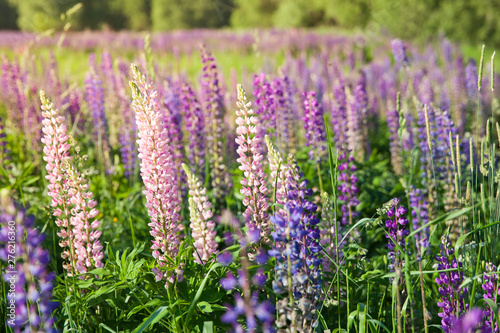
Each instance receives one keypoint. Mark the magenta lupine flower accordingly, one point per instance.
(314, 127)
(250, 160)
(30, 308)
(71, 200)
(202, 226)
(470, 322)
(158, 175)
(214, 118)
(195, 126)
(264, 96)
(399, 52)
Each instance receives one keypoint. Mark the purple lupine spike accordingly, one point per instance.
(470, 322)
(444, 126)
(348, 189)
(94, 95)
(339, 115)
(263, 93)
(425, 91)
(250, 159)
(214, 117)
(195, 126)
(170, 95)
(397, 230)
(399, 52)
(491, 291)
(291, 114)
(109, 74)
(30, 275)
(314, 126)
(452, 295)
(282, 113)
(297, 238)
(471, 80)
(394, 143)
(158, 174)
(361, 100)
(354, 133)
(420, 217)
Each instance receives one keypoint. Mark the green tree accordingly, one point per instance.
(255, 13)
(182, 14)
(8, 16)
(137, 13)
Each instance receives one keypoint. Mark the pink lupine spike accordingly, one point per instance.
(250, 159)
(71, 199)
(201, 213)
(158, 174)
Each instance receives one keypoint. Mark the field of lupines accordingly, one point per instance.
(348, 184)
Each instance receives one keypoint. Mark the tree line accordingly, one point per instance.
(462, 20)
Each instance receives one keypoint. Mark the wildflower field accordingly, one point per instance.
(269, 181)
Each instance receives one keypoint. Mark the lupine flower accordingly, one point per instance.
(31, 308)
(214, 116)
(420, 217)
(394, 143)
(195, 126)
(396, 231)
(72, 202)
(158, 174)
(470, 322)
(491, 291)
(399, 52)
(202, 225)
(452, 302)
(296, 239)
(348, 189)
(250, 160)
(314, 127)
(471, 80)
(283, 113)
(95, 100)
(355, 139)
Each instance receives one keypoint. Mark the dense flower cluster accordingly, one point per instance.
(30, 309)
(195, 126)
(452, 295)
(214, 117)
(250, 159)
(314, 126)
(158, 175)
(491, 291)
(72, 202)
(297, 251)
(420, 218)
(396, 231)
(202, 226)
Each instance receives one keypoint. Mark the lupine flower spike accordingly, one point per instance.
(202, 225)
(158, 174)
(250, 160)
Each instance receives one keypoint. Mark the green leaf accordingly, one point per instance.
(208, 327)
(152, 319)
(205, 307)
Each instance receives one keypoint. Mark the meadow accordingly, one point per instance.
(264, 181)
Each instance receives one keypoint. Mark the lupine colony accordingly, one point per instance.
(344, 192)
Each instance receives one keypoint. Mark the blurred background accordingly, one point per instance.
(468, 21)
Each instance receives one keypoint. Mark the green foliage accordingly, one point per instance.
(8, 15)
(257, 13)
(179, 14)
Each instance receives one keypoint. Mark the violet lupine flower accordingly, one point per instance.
(491, 291)
(339, 116)
(297, 240)
(361, 103)
(264, 107)
(394, 143)
(354, 133)
(202, 226)
(452, 296)
(425, 91)
(348, 189)
(314, 126)
(72, 201)
(158, 175)
(214, 117)
(399, 52)
(470, 322)
(258, 316)
(195, 126)
(420, 217)
(250, 159)
(30, 308)
(471, 80)
(397, 231)
(95, 100)
(283, 113)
